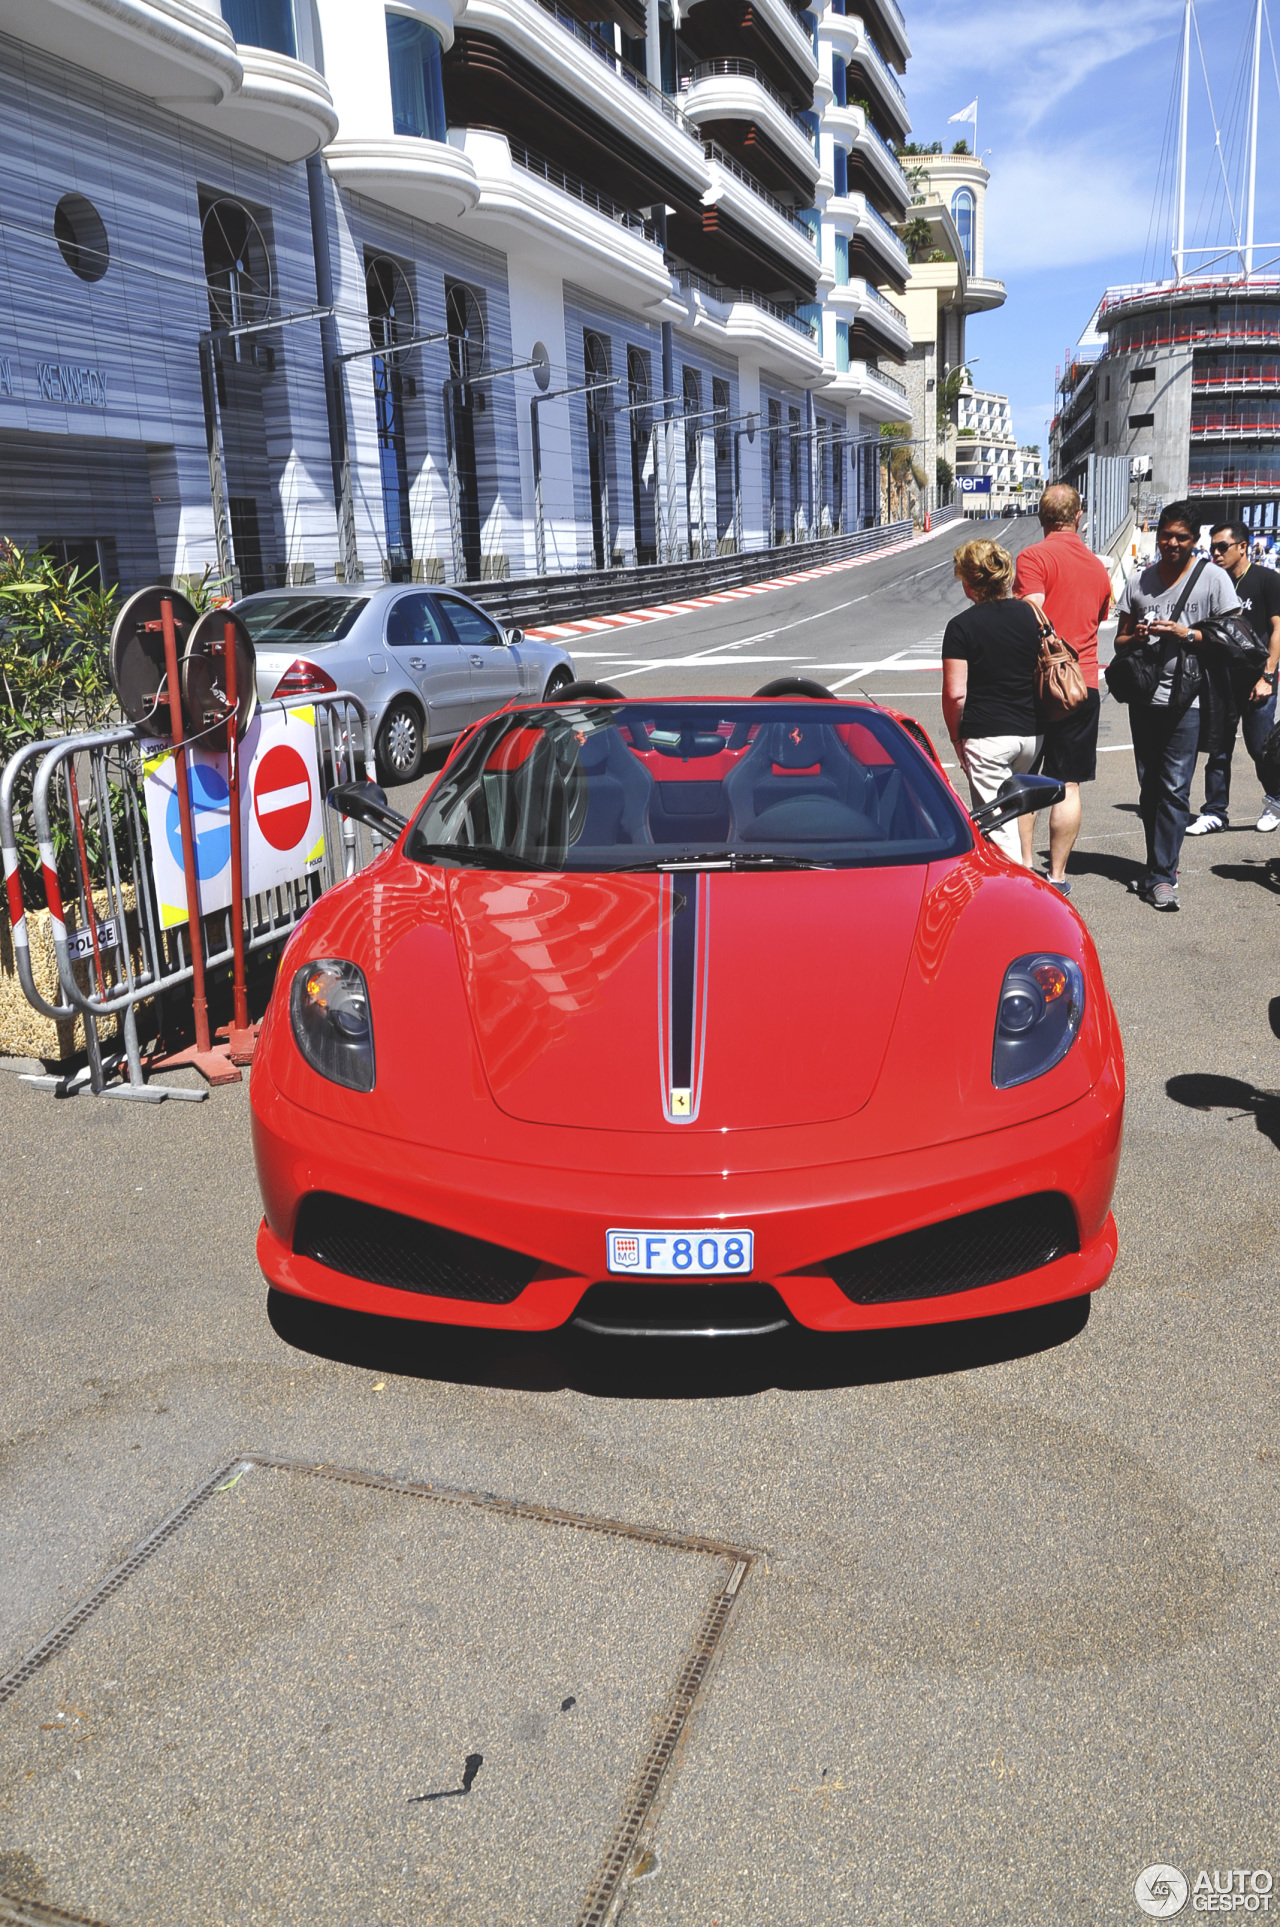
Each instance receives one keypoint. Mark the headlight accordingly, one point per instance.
(329, 1010)
(1041, 1006)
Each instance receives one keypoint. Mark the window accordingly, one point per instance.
(962, 212)
(1142, 421)
(809, 21)
(842, 347)
(811, 121)
(1106, 388)
(413, 624)
(471, 626)
(840, 169)
(391, 320)
(842, 260)
(81, 237)
(262, 23)
(1143, 374)
(839, 86)
(417, 88)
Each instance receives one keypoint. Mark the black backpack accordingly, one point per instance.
(1135, 672)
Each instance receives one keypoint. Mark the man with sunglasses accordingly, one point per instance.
(1253, 700)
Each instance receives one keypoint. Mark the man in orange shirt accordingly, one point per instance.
(1065, 579)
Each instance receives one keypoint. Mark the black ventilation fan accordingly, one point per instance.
(136, 661)
(204, 675)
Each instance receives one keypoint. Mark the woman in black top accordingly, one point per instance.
(989, 659)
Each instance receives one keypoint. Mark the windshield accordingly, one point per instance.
(746, 784)
(287, 620)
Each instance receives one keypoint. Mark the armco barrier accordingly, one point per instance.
(529, 601)
(92, 786)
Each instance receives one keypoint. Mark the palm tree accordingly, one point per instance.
(917, 237)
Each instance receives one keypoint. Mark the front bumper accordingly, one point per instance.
(799, 1218)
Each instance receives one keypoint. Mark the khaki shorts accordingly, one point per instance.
(989, 761)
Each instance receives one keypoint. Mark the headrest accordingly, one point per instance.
(799, 745)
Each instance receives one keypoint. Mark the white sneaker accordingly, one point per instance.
(1204, 823)
(1269, 820)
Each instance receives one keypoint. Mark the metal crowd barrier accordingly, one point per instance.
(91, 788)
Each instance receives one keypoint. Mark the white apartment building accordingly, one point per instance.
(441, 289)
(985, 441)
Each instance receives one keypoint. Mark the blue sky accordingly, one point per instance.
(1074, 100)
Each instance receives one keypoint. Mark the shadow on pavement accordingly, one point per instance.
(685, 1368)
(1264, 870)
(1101, 863)
(1203, 1091)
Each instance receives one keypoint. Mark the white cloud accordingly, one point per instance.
(1031, 55)
(1061, 208)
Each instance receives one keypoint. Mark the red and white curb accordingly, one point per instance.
(627, 619)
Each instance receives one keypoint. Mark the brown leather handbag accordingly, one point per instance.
(1060, 683)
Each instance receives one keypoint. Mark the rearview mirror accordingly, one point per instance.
(1017, 796)
(367, 803)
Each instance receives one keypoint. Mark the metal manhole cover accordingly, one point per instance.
(314, 1695)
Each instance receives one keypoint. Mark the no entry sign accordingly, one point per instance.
(281, 813)
(282, 796)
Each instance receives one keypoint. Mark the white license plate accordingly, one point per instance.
(681, 1254)
(80, 942)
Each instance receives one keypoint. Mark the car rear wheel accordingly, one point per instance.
(399, 745)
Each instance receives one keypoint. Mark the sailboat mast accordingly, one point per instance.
(1253, 139)
(1179, 252)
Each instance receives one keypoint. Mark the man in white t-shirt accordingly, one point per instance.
(1166, 728)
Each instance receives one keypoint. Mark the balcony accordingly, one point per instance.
(870, 144)
(859, 302)
(171, 51)
(1259, 475)
(1246, 382)
(746, 323)
(776, 23)
(549, 49)
(528, 204)
(430, 180)
(754, 210)
(283, 107)
(865, 223)
(883, 397)
(733, 90)
(883, 85)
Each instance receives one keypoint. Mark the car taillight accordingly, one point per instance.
(303, 678)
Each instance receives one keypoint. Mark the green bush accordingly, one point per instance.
(55, 631)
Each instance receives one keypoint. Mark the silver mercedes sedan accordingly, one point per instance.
(425, 662)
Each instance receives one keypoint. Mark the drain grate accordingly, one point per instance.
(660, 1594)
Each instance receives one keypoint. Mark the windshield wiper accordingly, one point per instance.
(724, 860)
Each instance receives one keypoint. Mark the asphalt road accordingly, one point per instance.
(1013, 1632)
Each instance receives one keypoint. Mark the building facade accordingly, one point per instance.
(1183, 380)
(947, 284)
(307, 290)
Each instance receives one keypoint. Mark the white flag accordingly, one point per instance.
(966, 113)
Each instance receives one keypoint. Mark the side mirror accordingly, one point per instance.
(1017, 796)
(367, 803)
(514, 636)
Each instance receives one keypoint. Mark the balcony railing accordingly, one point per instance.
(1220, 428)
(887, 150)
(713, 152)
(886, 72)
(1239, 383)
(727, 297)
(623, 68)
(747, 70)
(890, 381)
(885, 228)
(1236, 479)
(880, 301)
(581, 191)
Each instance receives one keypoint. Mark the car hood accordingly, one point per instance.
(708, 1001)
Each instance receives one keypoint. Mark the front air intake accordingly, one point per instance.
(960, 1254)
(384, 1248)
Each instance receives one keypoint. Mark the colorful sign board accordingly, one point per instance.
(281, 813)
(975, 485)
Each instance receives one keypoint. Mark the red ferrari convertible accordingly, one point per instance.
(690, 1016)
